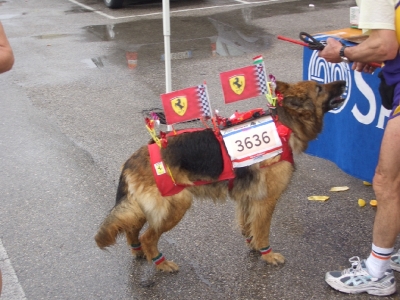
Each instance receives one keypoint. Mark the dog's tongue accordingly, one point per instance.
(338, 99)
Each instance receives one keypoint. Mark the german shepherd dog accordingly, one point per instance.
(197, 156)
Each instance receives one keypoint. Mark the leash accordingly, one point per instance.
(311, 42)
(307, 40)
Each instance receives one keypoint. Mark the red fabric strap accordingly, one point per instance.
(284, 134)
(164, 181)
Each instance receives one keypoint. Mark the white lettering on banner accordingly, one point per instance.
(322, 71)
(366, 90)
(252, 142)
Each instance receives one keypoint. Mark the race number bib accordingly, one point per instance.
(252, 142)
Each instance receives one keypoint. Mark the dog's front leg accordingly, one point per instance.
(149, 241)
(260, 215)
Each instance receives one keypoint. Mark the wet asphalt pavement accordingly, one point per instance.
(71, 112)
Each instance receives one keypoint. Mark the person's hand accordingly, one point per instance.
(363, 67)
(331, 51)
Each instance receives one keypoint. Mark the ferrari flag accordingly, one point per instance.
(244, 83)
(187, 104)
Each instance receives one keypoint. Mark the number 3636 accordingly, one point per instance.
(253, 141)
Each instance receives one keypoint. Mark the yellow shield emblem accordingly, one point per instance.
(237, 84)
(396, 111)
(159, 167)
(179, 105)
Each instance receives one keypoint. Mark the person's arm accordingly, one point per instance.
(380, 45)
(6, 53)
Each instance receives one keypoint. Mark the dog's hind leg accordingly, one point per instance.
(132, 236)
(162, 218)
(242, 216)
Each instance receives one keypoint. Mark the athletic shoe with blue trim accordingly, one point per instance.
(395, 261)
(357, 280)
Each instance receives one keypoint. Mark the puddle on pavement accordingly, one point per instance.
(76, 10)
(141, 43)
(96, 62)
(232, 33)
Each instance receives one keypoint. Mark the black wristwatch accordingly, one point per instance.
(341, 54)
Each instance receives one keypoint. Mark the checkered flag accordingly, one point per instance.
(262, 80)
(203, 100)
(244, 83)
(187, 104)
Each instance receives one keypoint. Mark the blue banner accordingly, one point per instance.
(352, 134)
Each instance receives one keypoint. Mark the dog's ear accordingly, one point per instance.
(292, 102)
(282, 86)
(299, 106)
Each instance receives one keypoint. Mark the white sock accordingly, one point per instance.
(378, 261)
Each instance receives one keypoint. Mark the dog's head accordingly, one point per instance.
(303, 107)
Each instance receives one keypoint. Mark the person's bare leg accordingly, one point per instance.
(386, 185)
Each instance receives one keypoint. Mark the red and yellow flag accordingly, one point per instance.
(244, 83)
(187, 104)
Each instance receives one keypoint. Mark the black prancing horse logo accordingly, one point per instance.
(236, 82)
(178, 104)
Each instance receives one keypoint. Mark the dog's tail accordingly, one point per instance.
(125, 216)
(108, 231)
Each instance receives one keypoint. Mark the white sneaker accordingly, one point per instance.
(357, 280)
(395, 261)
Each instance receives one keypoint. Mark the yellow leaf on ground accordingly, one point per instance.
(361, 202)
(373, 203)
(339, 188)
(367, 183)
(318, 198)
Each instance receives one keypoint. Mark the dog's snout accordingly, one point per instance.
(342, 84)
(338, 86)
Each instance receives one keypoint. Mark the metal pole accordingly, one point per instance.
(167, 45)
(167, 48)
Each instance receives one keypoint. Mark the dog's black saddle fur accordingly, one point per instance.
(199, 153)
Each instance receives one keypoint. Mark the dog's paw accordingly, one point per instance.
(273, 258)
(251, 247)
(167, 266)
(138, 253)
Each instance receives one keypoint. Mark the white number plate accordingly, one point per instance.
(252, 142)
